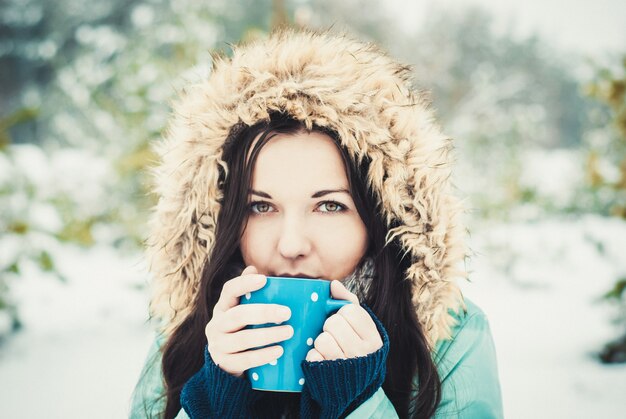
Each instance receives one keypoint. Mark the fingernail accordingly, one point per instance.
(279, 352)
(289, 332)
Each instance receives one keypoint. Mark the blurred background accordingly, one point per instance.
(534, 95)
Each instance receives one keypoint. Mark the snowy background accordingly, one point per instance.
(536, 160)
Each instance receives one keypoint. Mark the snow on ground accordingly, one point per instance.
(538, 283)
(84, 341)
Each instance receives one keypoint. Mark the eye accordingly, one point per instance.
(260, 207)
(331, 206)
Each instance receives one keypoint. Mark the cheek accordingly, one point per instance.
(253, 250)
(343, 247)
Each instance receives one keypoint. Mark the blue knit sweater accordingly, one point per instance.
(332, 388)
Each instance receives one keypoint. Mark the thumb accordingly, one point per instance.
(249, 270)
(340, 292)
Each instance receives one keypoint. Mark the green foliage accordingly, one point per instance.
(617, 292)
(17, 230)
(45, 261)
(18, 117)
(18, 227)
(606, 175)
(606, 161)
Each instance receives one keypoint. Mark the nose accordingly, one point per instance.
(293, 242)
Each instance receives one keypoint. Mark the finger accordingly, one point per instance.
(244, 315)
(249, 270)
(253, 338)
(239, 362)
(236, 287)
(328, 347)
(360, 321)
(340, 292)
(314, 356)
(345, 336)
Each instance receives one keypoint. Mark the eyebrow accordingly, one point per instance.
(317, 194)
(259, 193)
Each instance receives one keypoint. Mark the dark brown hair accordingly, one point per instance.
(389, 296)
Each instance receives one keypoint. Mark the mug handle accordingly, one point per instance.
(334, 305)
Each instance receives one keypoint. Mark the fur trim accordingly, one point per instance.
(331, 81)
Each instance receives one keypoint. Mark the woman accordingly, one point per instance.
(308, 154)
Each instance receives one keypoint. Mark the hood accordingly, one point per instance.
(328, 80)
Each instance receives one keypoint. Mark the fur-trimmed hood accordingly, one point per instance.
(330, 81)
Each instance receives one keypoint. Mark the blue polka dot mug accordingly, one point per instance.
(310, 304)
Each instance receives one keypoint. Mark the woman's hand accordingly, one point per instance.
(229, 342)
(349, 333)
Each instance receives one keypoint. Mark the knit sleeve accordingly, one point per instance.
(214, 393)
(335, 388)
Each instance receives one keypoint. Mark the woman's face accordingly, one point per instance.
(302, 219)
